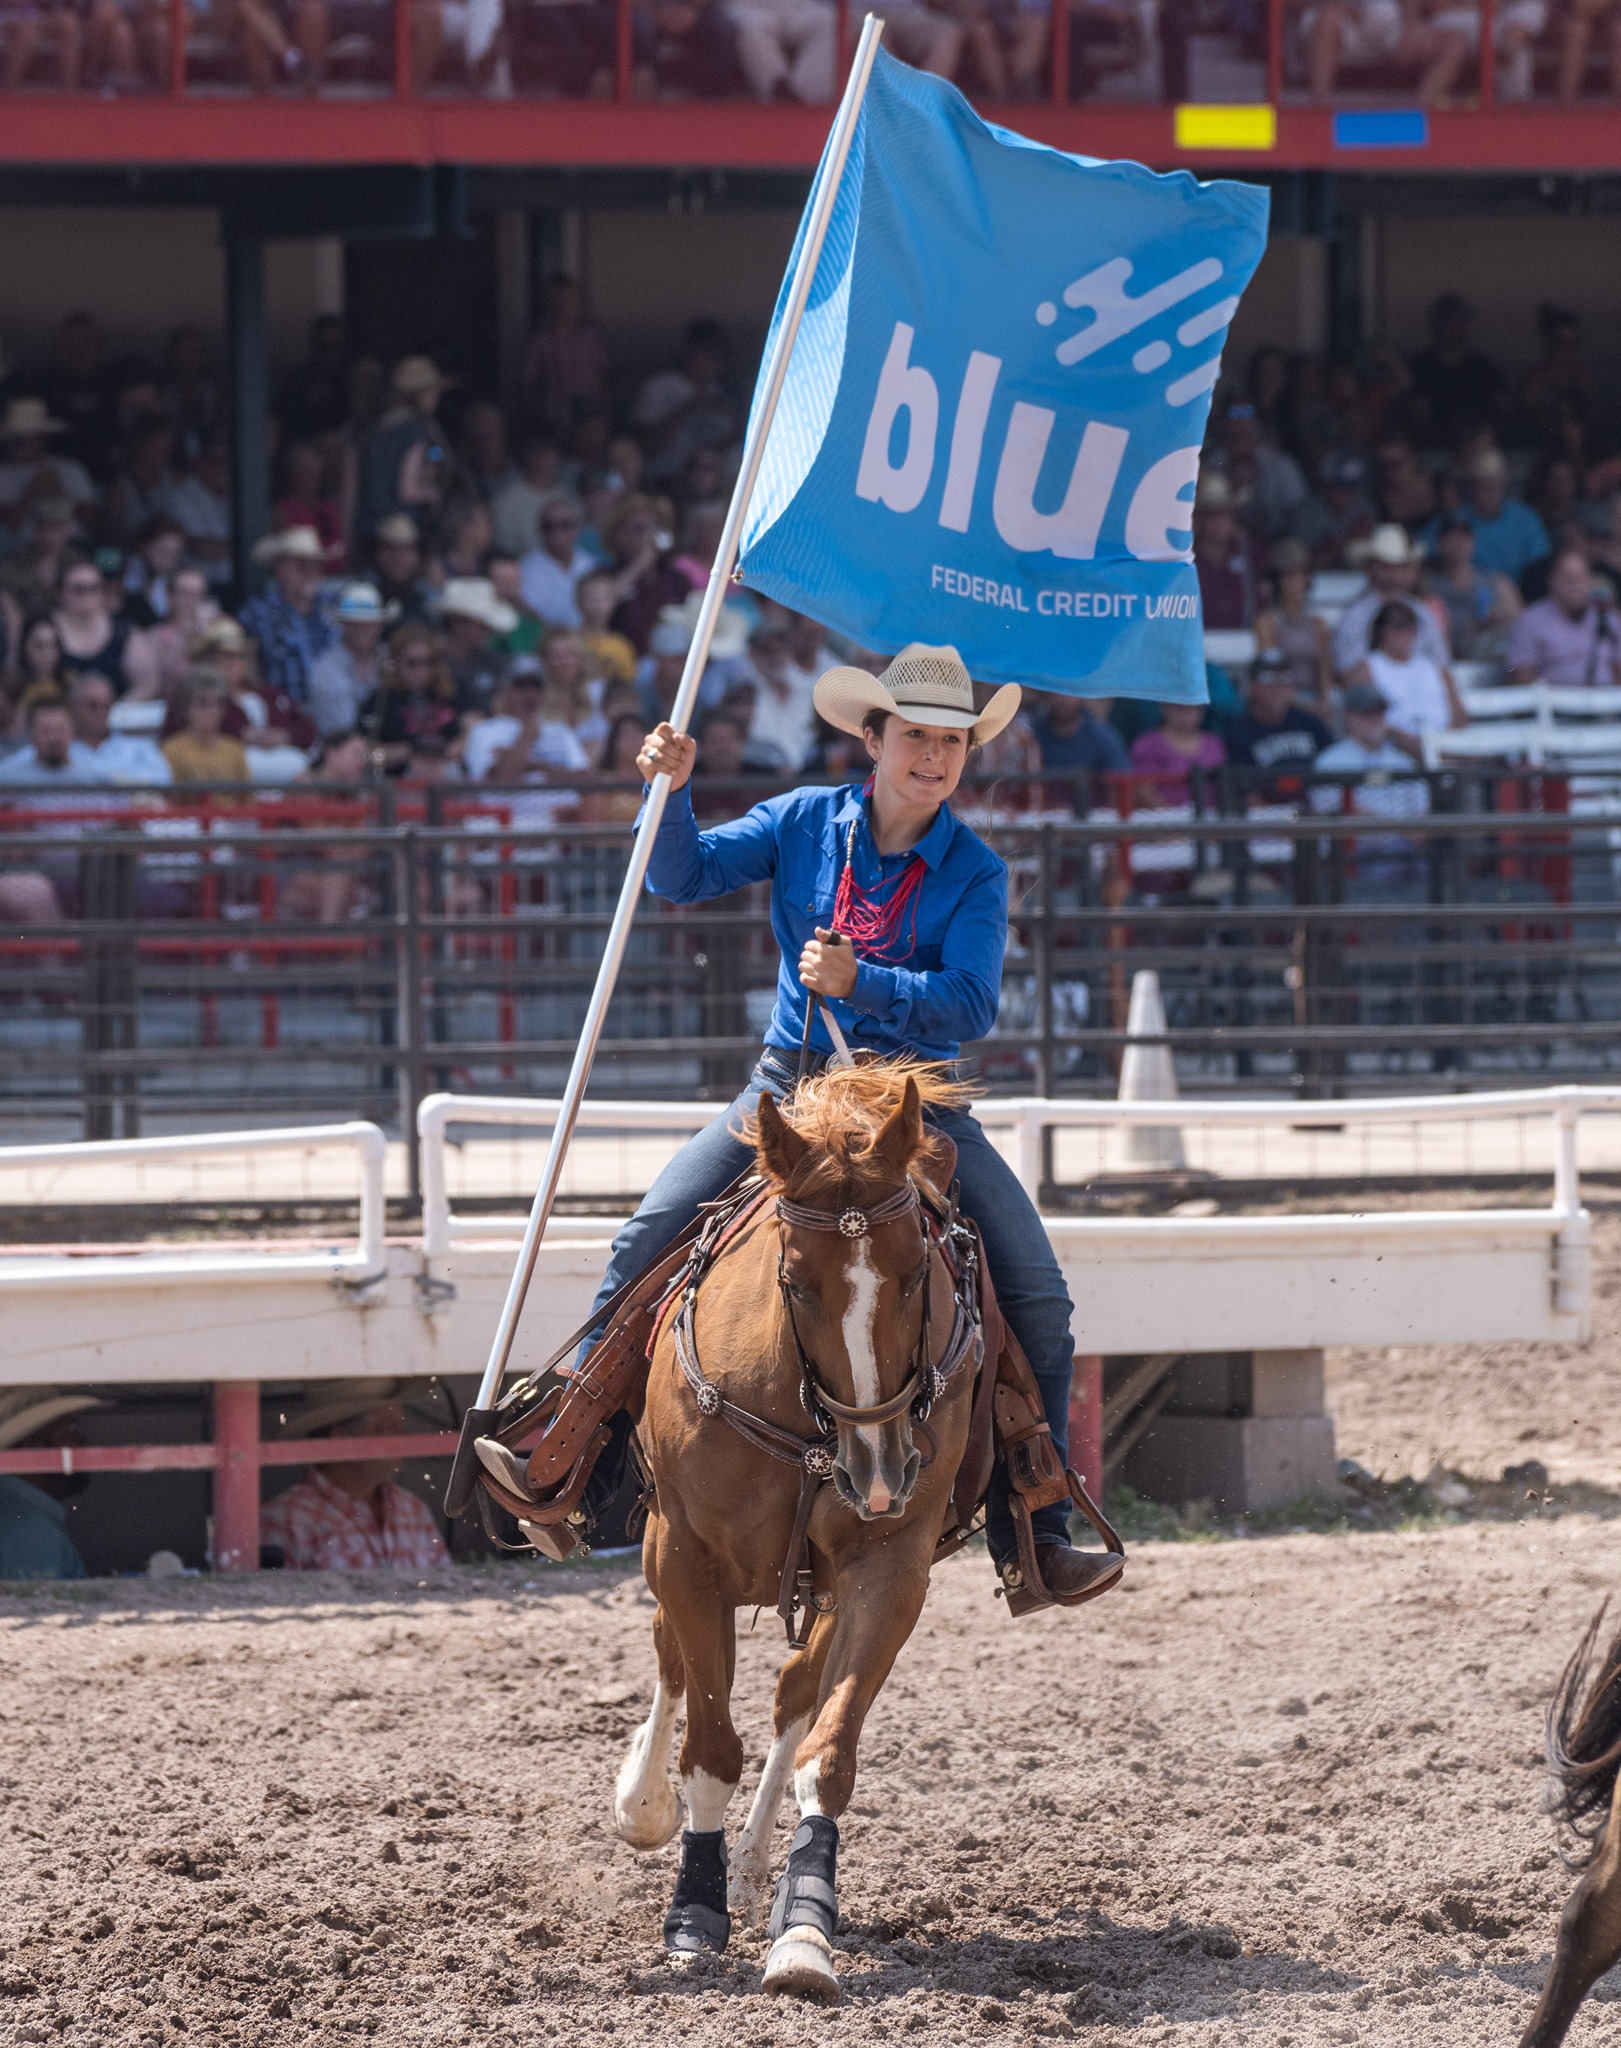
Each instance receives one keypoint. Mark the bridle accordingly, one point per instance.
(921, 1389)
(944, 1234)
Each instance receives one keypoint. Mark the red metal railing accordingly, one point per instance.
(236, 1457)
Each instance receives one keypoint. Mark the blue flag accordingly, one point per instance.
(989, 433)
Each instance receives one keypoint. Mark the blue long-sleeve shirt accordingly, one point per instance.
(948, 989)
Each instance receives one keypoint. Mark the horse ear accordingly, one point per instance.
(898, 1143)
(781, 1147)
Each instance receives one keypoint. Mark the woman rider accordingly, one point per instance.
(924, 901)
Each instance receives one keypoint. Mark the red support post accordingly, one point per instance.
(1058, 50)
(318, 1450)
(1274, 51)
(1488, 53)
(236, 1476)
(841, 62)
(1086, 1421)
(624, 52)
(403, 82)
(177, 47)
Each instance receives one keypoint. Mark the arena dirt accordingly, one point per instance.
(1283, 1791)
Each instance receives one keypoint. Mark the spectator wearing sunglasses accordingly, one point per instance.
(547, 575)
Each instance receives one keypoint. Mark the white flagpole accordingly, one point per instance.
(843, 132)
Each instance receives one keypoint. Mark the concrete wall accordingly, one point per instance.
(1286, 302)
(646, 274)
(144, 272)
(1505, 268)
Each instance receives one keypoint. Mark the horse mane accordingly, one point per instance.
(1584, 1743)
(841, 1111)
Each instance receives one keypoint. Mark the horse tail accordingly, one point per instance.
(1584, 1742)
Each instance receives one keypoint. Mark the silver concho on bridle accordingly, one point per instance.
(853, 1223)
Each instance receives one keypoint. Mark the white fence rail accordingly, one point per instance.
(200, 1265)
(1186, 1282)
(1398, 1276)
(1025, 1120)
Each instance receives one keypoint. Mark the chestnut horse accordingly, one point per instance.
(832, 1306)
(1584, 1757)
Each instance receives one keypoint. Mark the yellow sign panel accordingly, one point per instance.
(1226, 128)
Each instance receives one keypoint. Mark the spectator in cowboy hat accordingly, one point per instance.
(405, 461)
(1392, 562)
(470, 614)
(400, 583)
(286, 618)
(29, 471)
(34, 1542)
(262, 717)
(1221, 555)
(1509, 536)
(658, 674)
(346, 675)
(355, 1516)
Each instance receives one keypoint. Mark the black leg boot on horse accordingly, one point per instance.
(698, 1919)
(805, 1913)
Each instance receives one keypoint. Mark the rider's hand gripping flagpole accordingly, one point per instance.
(476, 1422)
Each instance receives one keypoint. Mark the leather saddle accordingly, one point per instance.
(566, 1418)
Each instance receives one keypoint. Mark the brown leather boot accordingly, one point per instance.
(1073, 1575)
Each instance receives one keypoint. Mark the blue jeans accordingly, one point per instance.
(1029, 1285)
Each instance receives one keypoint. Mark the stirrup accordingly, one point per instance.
(509, 1471)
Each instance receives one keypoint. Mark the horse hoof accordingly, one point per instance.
(800, 1965)
(648, 1821)
(694, 1930)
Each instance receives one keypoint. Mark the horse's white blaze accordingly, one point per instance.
(751, 1865)
(646, 1810)
(707, 1800)
(861, 1348)
(807, 1787)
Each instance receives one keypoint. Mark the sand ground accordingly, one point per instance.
(1282, 1791)
(1478, 1408)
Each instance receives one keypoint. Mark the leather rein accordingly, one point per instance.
(944, 1236)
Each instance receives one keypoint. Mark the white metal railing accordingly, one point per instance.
(24, 1268)
(1538, 723)
(1028, 1119)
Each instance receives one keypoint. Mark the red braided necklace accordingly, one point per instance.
(873, 919)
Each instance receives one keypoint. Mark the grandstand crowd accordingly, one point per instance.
(455, 594)
(773, 50)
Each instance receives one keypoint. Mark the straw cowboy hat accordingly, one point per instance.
(27, 418)
(26, 1410)
(220, 636)
(677, 623)
(1389, 544)
(1213, 493)
(928, 684)
(291, 544)
(359, 605)
(473, 597)
(337, 1401)
(415, 374)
